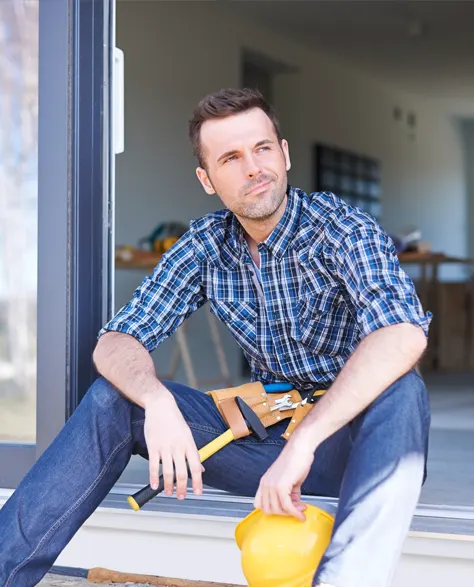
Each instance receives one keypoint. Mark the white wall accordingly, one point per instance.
(176, 52)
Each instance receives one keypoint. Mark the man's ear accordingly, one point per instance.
(286, 153)
(205, 181)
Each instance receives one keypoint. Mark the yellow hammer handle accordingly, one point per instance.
(144, 495)
(224, 439)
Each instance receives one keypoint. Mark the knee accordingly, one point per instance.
(404, 408)
(403, 413)
(410, 398)
(103, 395)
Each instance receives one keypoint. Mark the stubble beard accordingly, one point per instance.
(266, 205)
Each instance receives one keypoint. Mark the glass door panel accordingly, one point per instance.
(18, 219)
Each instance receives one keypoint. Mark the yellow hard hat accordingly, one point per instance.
(281, 551)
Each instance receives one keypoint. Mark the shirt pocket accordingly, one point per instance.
(232, 311)
(319, 320)
(240, 317)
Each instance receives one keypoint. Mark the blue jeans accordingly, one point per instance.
(375, 466)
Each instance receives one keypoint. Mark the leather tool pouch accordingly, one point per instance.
(301, 411)
(298, 414)
(233, 417)
(261, 402)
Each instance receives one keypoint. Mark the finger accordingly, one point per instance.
(196, 470)
(289, 507)
(275, 505)
(257, 502)
(266, 505)
(168, 473)
(296, 498)
(154, 466)
(181, 475)
(296, 493)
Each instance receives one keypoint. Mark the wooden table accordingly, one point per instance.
(429, 290)
(128, 259)
(433, 261)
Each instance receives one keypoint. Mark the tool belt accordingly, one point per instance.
(269, 407)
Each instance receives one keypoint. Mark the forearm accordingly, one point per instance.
(123, 361)
(380, 359)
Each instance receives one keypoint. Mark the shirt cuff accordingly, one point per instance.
(381, 314)
(147, 337)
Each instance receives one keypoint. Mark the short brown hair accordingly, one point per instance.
(226, 103)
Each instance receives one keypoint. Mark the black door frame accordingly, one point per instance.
(91, 199)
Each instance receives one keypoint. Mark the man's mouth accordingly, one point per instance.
(259, 187)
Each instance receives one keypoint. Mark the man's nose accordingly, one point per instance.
(252, 167)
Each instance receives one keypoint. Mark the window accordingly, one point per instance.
(354, 178)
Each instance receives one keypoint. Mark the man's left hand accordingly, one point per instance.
(280, 488)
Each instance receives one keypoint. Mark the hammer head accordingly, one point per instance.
(251, 419)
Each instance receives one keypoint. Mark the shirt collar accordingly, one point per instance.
(283, 233)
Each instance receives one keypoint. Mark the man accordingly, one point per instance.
(313, 293)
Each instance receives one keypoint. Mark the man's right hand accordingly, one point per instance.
(169, 440)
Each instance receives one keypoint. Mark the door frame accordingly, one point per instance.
(91, 214)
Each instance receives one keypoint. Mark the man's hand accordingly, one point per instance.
(280, 488)
(169, 440)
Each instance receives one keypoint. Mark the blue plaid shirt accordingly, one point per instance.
(329, 277)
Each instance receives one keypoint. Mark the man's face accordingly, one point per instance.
(245, 164)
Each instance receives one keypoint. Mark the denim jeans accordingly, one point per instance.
(375, 466)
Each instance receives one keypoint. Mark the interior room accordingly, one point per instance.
(375, 100)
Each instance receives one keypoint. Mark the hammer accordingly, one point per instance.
(243, 421)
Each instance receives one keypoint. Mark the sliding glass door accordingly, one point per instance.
(54, 205)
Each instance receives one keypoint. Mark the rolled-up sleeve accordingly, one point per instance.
(164, 299)
(381, 292)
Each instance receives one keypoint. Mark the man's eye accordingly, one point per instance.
(264, 149)
(229, 159)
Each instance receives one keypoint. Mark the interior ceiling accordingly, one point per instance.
(421, 46)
